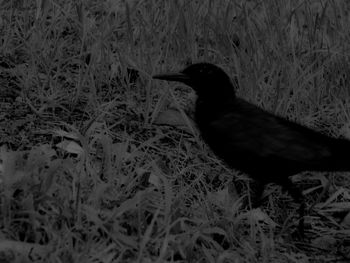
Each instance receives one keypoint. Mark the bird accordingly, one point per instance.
(266, 147)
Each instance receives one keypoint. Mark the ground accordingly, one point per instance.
(100, 163)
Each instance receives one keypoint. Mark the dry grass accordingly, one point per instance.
(101, 164)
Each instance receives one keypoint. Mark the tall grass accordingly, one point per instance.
(101, 164)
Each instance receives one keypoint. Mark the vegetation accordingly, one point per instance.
(99, 163)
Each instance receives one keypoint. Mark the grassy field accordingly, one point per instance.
(100, 163)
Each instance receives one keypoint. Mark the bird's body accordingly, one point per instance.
(265, 146)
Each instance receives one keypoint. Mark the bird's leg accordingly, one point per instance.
(298, 197)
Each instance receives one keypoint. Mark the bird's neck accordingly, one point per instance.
(208, 107)
(217, 97)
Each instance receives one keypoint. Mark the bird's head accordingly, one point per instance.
(205, 78)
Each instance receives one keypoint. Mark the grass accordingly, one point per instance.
(99, 163)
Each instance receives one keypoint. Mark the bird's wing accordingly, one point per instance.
(251, 130)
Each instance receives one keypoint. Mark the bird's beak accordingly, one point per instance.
(173, 77)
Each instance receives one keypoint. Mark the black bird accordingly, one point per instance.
(254, 141)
